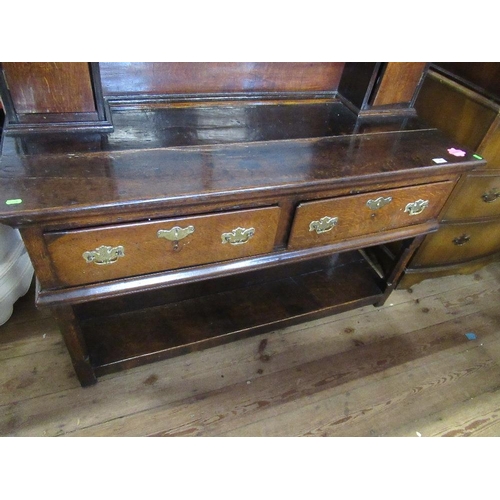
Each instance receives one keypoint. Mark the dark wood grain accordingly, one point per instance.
(120, 78)
(357, 82)
(459, 242)
(53, 185)
(50, 87)
(190, 290)
(460, 113)
(179, 124)
(490, 145)
(75, 343)
(212, 123)
(151, 334)
(482, 76)
(399, 83)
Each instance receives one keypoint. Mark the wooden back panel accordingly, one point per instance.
(50, 87)
(483, 76)
(122, 78)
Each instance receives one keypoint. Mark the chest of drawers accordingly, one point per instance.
(469, 235)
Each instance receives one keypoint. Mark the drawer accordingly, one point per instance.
(479, 196)
(329, 221)
(455, 243)
(111, 252)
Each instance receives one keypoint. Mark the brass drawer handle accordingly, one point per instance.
(238, 236)
(176, 233)
(104, 255)
(491, 196)
(378, 203)
(461, 240)
(323, 225)
(416, 207)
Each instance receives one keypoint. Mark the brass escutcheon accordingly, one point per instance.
(323, 225)
(238, 236)
(104, 255)
(416, 207)
(176, 233)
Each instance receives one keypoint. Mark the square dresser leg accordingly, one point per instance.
(71, 332)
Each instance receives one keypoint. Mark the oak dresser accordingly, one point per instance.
(168, 207)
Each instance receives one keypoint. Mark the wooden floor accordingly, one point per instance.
(406, 369)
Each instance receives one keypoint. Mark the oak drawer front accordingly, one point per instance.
(479, 196)
(111, 252)
(329, 221)
(455, 243)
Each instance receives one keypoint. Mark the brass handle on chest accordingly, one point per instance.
(491, 196)
(104, 255)
(416, 207)
(238, 236)
(323, 225)
(379, 202)
(461, 240)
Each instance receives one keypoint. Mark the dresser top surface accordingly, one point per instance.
(206, 154)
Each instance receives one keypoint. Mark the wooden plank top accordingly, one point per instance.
(53, 185)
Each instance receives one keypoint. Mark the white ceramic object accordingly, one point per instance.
(16, 271)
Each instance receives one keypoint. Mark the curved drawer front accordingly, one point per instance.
(455, 243)
(478, 197)
(328, 221)
(111, 252)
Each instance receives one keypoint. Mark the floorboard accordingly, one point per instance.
(404, 369)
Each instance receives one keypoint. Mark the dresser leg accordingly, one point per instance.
(397, 272)
(70, 329)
